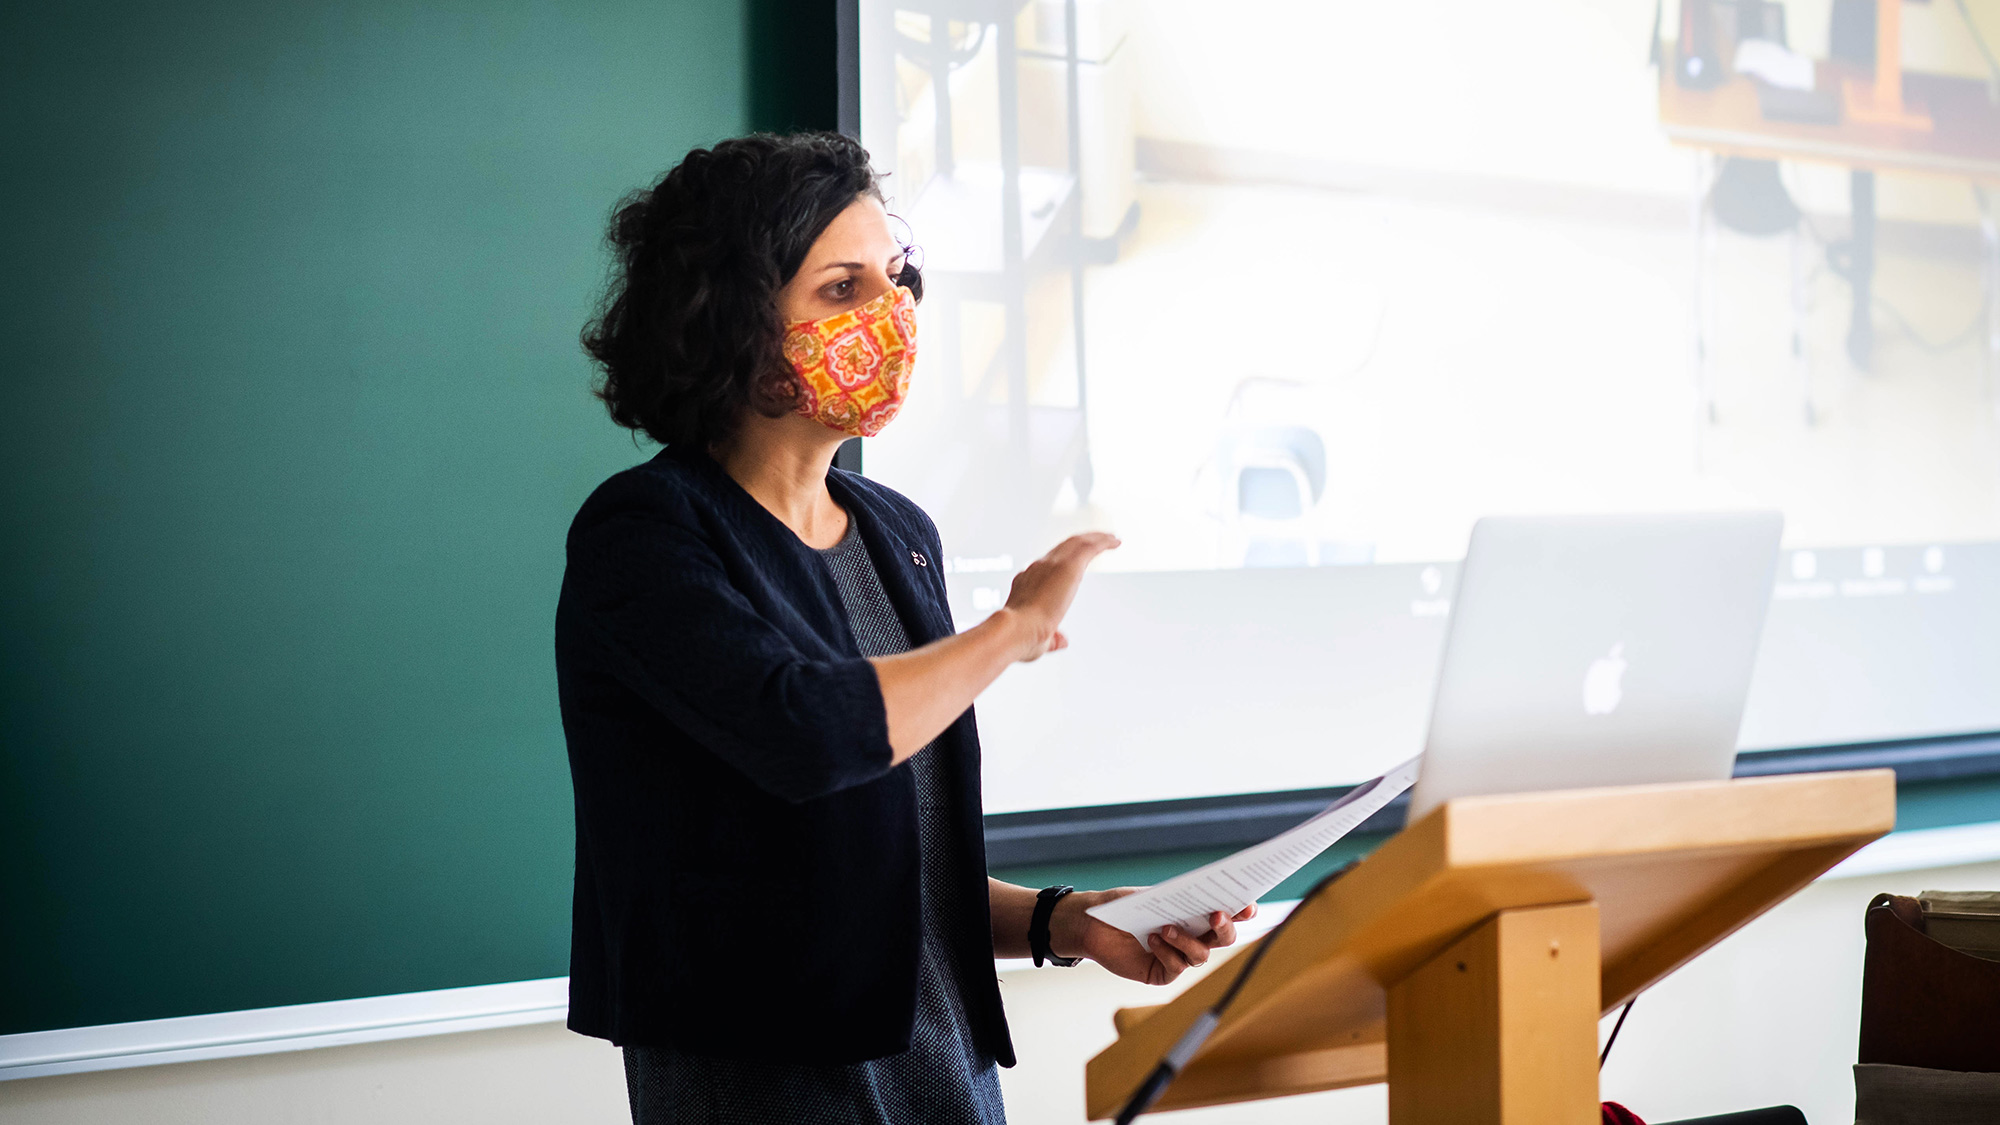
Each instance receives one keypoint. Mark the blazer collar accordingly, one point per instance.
(897, 545)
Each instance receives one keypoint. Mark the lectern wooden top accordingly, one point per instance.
(1673, 868)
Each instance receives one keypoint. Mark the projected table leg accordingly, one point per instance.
(1501, 1027)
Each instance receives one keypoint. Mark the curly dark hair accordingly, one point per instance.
(688, 333)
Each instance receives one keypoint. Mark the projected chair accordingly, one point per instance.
(1747, 196)
(1280, 471)
(1266, 478)
(1268, 482)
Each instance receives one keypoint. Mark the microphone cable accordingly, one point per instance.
(1615, 1029)
(1197, 1033)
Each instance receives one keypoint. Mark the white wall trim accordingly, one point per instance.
(294, 1027)
(1922, 848)
(371, 1019)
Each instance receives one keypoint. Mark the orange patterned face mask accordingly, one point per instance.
(855, 367)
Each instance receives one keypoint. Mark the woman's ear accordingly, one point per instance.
(777, 391)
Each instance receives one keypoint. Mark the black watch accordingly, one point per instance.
(1038, 927)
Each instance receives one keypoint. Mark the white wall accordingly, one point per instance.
(1767, 1017)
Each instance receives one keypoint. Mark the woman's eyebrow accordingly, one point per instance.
(857, 266)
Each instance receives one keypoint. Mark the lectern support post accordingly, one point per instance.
(1500, 1027)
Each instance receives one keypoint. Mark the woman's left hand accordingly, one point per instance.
(1168, 954)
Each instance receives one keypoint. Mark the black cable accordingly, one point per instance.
(1615, 1028)
(1949, 345)
(1843, 269)
(1204, 1025)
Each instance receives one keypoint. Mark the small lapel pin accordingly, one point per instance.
(918, 559)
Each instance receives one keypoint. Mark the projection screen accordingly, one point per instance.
(1288, 294)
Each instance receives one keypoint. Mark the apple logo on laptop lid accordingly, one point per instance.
(1602, 688)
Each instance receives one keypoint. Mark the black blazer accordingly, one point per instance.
(746, 858)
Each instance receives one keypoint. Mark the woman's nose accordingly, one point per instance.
(874, 284)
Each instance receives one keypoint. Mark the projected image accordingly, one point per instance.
(1288, 294)
(1304, 284)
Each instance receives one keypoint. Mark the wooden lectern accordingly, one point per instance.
(1468, 960)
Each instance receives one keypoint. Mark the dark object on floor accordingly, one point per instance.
(1748, 197)
(1776, 1115)
(1615, 1114)
(1910, 1095)
(1923, 1003)
(1929, 1055)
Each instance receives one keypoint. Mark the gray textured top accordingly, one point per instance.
(943, 1078)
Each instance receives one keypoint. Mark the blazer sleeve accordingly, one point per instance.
(653, 598)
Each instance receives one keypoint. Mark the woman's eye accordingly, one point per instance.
(841, 290)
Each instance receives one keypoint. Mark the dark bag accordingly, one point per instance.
(1923, 1003)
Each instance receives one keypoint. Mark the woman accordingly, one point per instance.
(782, 911)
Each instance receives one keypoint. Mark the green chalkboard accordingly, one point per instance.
(293, 422)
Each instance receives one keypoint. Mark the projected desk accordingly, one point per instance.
(1963, 140)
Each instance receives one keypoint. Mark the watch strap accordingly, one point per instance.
(1038, 927)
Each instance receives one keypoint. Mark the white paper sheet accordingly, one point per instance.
(1234, 882)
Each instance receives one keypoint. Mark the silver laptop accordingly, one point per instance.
(1598, 650)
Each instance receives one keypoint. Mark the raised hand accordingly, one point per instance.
(1042, 593)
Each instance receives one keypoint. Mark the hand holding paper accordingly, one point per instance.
(1234, 882)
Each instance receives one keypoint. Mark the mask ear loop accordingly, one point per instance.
(912, 276)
